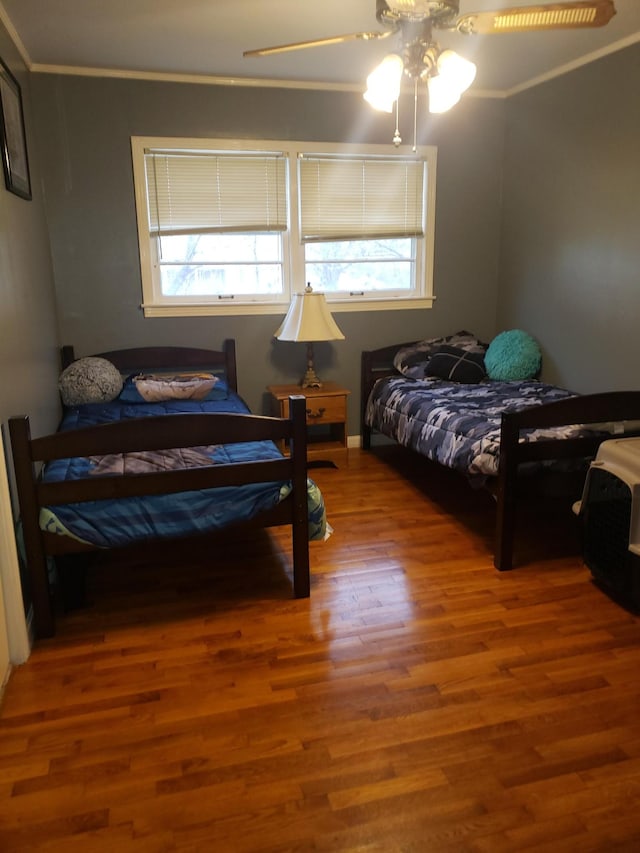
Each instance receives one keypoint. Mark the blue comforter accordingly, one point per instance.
(456, 424)
(108, 523)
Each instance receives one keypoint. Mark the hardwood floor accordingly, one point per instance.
(418, 701)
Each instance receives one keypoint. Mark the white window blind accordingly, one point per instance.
(354, 198)
(200, 193)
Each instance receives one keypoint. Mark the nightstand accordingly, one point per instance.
(326, 418)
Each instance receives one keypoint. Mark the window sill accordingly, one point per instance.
(257, 310)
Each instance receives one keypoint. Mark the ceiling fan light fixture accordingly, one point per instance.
(383, 84)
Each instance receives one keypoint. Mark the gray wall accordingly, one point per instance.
(570, 264)
(84, 127)
(28, 329)
(568, 236)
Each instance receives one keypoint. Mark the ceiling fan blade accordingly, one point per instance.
(548, 16)
(299, 45)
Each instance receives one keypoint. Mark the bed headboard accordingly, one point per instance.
(169, 358)
(374, 365)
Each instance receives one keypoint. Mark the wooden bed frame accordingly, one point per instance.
(156, 433)
(584, 409)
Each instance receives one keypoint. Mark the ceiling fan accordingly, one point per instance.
(447, 74)
(416, 18)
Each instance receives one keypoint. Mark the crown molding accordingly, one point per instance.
(6, 21)
(588, 58)
(212, 80)
(200, 79)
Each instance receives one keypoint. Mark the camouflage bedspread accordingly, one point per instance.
(456, 424)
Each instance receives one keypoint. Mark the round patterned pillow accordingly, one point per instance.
(512, 355)
(89, 380)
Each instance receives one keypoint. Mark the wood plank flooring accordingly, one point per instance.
(418, 701)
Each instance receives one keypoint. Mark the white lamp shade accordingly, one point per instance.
(441, 96)
(454, 75)
(383, 84)
(456, 70)
(309, 319)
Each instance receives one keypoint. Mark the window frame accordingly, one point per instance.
(293, 250)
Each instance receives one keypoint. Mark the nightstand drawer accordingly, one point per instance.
(320, 410)
(326, 410)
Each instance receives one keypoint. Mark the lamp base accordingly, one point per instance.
(310, 380)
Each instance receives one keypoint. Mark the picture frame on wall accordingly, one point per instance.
(15, 160)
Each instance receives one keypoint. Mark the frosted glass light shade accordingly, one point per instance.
(454, 75)
(442, 96)
(456, 70)
(383, 84)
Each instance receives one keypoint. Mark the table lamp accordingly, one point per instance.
(309, 319)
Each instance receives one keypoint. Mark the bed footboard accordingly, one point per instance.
(156, 433)
(612, 406)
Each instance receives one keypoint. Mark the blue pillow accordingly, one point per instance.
(512, 355)
(166, 388)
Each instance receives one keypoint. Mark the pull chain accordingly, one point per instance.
(415, 113)
(397, 139)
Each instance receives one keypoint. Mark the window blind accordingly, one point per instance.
(199, 193)
(349, 198)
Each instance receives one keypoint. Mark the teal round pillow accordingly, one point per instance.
(512, 355)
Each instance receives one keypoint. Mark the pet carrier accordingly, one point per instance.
(610, 514)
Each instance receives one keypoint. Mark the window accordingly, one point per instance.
(361, 219)
(238, 226)
(216, 220)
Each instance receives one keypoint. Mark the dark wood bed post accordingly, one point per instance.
(67, 355)
(230, 368)
(506, 494)
(365, 390)
(43, 616)
(300, 521)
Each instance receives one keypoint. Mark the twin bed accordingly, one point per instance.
(140, 468)
(492, 432)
